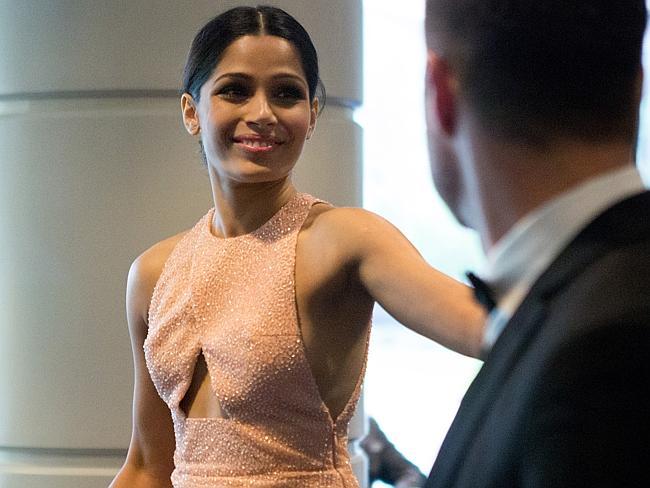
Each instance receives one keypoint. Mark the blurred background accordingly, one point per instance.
(95, 167)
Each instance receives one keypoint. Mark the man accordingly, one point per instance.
(532, 110)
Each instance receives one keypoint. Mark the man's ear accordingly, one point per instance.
(441, 93)
(190, 114)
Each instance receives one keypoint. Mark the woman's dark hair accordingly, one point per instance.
(215, 36)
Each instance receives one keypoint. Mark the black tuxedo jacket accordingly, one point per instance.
(562, 399)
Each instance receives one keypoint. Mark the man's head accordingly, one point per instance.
(531, 72)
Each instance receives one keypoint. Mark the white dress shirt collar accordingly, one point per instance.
(516, 261)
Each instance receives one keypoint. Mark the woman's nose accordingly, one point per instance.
(261, 111)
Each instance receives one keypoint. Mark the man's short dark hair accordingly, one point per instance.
(538, 69)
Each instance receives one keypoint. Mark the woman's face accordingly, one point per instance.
(254, 112)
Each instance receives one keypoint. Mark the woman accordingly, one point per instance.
(252, 327)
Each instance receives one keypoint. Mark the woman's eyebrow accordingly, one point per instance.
(247, 77)
(290, 76)
(243, 76)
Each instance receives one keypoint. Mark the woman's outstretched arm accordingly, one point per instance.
(395, 275)
(149, 462)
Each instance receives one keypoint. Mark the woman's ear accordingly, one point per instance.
(313, 115)
(190, 114)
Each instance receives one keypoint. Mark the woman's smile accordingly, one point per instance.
(256, 144)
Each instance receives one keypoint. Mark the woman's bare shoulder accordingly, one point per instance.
(349, 223)
(145, 271)
(348, 229)
(148, 265)
(328, 218)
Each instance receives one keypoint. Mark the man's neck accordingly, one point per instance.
(514, 180)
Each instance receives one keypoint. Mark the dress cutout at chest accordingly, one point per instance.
(233, 300)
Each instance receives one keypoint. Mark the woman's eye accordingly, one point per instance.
(289, 94)
(233, 92)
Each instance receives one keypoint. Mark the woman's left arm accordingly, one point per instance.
(395, 274)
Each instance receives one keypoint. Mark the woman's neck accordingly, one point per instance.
(242, 208)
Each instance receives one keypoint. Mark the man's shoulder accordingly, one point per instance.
(606, 268)
(598, 287)
(609, 292)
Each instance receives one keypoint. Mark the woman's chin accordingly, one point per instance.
(257, 170)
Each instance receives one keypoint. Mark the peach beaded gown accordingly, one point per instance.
(233, 300)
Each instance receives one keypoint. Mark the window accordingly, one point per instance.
(413, 386)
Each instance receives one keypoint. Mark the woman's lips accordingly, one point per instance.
(255, 144)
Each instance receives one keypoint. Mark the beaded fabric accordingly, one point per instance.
(233, 300)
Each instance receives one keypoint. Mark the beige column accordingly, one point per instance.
(94, 168)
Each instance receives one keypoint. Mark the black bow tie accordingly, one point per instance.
(482, 292)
